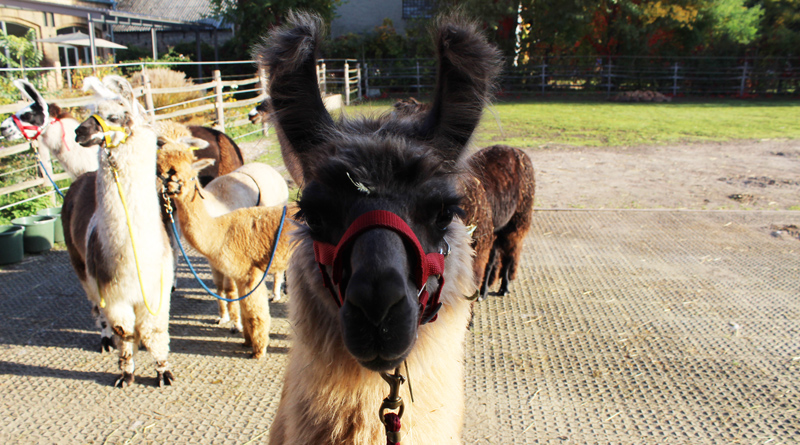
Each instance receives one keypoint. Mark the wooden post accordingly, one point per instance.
(544, 77)
(218, 103)
(608, 83)
(675, 80)
(148, 97)
(366, 78)
(262, 80)
(358, 78)
(58, 79)
(346, 83)
(324, 86)
(744, 79)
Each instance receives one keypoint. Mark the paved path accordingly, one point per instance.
(623, 327)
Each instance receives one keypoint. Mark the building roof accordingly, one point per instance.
(185, 10)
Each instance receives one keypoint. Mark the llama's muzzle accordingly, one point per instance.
(425, 264)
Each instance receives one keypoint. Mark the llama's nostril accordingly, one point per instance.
(375, 294)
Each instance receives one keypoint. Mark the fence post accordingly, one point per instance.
(744, 79)
(358, 83)
(675, 80)
(608, 81)
(46, 168)
(544, 75)
(366, 78)
(419, 79)
(346, 83)
(59, 80)
(148, 97)
(218, 102)
(324, 78)
(262, 80)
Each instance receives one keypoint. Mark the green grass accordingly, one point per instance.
(596, 123)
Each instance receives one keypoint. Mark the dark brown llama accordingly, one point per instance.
(221, 148)
(381, 267)
(499, 205)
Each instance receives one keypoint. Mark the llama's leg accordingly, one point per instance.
(219, 279)
(123, 320)
(491, 265)
(255, 314)
(277, 289)
(106, 334)
(155, 337)
(508, 263)
(232, 293)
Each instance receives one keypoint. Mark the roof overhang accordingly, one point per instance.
(106, 16)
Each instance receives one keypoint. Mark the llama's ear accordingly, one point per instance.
(194, 143)
(289, 53)
(201, 164)
(30, 93)
(467, 67)
(119, 85)
(94, 85)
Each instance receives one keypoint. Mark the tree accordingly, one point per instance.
(22, 50)
(251, 19)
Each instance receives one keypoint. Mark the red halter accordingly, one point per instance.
(425, 265)
(23, 128)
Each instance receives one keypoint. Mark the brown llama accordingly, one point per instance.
(499, 205)
(380, 250)
(238, 244)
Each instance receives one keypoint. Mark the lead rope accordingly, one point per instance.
(35, 147)
(391, 420)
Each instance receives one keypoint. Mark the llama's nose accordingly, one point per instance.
(379, 267)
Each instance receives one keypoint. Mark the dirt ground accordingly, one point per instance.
(740, 175)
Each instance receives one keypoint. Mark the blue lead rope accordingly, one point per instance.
(41, 164)
(210, 292)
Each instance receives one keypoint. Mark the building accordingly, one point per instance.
(362, 16)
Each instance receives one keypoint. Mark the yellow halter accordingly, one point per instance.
(109, 130)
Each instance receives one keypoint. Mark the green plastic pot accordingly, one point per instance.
(58, 228)
(39, 232)
(11, 250)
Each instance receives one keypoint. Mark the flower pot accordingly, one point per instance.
(39, 232)
(58, 228)
(11, 250)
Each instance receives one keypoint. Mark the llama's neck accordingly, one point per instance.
(197, 224)
(136, 171)
(59, 139)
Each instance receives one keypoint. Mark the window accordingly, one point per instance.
(417, 9)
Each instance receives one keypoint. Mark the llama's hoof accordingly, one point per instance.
(165, 378)
(106, 344)
(258, 355)
(275, 299)
(125, 381)
(502, 293)
(222, 320)
(236, 328)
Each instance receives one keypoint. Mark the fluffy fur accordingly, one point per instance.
(96, 234)
(409, 165)
(237, 244)
(499, 204)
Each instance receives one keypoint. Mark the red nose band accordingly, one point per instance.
(23, 128)
(424, 265)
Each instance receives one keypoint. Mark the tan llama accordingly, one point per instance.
(237, 244)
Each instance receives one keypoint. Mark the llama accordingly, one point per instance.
(54, 129)
(499, 194)
(238, 244)
(253, 184)
(221, 148)
(120, 278)
(378, 195)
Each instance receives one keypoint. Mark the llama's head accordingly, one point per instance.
(116, 113)
(380, 194)
(30, 121)
(176, 165)
(409, 107)
(260, 114)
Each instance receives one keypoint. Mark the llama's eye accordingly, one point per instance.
(444, 219)
(314, 222)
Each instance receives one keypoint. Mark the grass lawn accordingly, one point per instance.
(596, 123)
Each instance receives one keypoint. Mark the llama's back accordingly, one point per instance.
(251, 185)
(507, 175)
